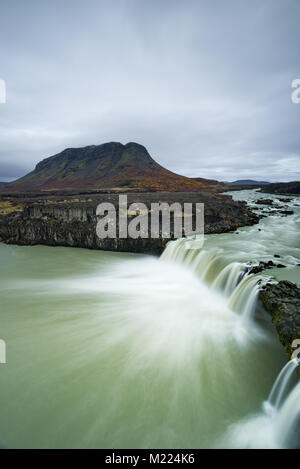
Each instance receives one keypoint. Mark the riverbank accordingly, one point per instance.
(70, 220)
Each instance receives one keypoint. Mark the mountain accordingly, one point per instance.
(289, 188)
(108, 166)
(247, 182)
(3, 183)
(212, 184)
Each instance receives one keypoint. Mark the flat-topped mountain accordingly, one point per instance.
(108, 166)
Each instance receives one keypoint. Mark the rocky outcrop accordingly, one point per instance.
(286, 212)
(264, 202)
(261, 266)
(71, 221)
(282, 302)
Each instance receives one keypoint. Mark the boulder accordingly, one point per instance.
(264, 202)
(282, 302)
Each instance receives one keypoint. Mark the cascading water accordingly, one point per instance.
(231, 280)
(278, 424)
(282, 384)
(143, 352)
(244, 297)
(287, 424)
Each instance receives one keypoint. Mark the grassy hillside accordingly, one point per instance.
(108, 166)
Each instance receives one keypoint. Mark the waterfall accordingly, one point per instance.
(287, 427)
(147, 352)
(282, 409)
(277, 426)
(206, 263)
(244, 297)
(282, 384)
(230, 279)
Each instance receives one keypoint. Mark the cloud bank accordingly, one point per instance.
(205, 85)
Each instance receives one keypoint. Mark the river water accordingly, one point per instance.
(114, 350)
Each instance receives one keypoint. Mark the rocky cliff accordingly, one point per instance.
(71, 220)
(282, 302)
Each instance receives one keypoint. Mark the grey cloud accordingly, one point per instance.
(205, 85)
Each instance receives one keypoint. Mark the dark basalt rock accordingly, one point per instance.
(286, 212)
(256, 269)
(282, 302)
(264, 202)
(70, 220)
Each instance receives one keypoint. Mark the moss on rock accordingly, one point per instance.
(282, 302)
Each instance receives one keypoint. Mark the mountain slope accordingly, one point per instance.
(212, 184)
(283, 188)
(108, 166)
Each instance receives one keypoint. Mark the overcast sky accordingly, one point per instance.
(205, 85)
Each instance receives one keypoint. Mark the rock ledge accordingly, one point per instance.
(282, 302)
